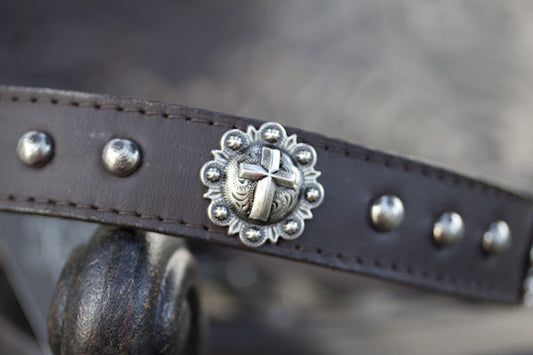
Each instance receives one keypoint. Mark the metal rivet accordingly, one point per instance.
(221, 213)
(272, 135)
(253, 234)
(312, 194)
(290, 227)
(121, 157)
(35, 149)
(234, 142)
(497, 238)
(449, 229)
(213, 174)
(386, 213)
(304, 156)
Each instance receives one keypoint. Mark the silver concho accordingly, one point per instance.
(262, 184)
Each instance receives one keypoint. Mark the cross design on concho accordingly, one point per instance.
(262, 184)
(269, 175)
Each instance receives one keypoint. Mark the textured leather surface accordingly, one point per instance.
(165, 194)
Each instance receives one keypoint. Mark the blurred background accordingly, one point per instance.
(449, 82)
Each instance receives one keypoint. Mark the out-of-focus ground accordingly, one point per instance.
(450, 82)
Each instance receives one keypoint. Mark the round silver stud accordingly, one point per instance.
(290, 227)
(234, 142)
(386, 213)
(449, 229)
(497, 238)
(304, 156)
(252, 234)
(35, 149)
(220, 213)
(272, 135)
(121, 157)
(312, 194)
(213, 174)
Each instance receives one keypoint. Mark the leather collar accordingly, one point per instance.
(165, 194)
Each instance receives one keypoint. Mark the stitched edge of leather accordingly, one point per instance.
(339, 147)
(366, 155)
(482, 289)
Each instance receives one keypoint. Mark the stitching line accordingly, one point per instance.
(483, 289)
(433, 173)
(441, 175)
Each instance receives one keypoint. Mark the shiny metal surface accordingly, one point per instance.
(256, 189)
(449, 229)
(35, 149)
(386, 213)
(497, 238)
(121, 157)
(234, 142)
(213, 174)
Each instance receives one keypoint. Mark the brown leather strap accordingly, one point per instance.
(165, 194)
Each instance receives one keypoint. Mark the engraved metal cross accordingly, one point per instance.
(269, 175)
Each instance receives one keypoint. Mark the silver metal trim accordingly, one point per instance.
(35, 149)
(449, 229)
(121, 157)
(386, 213)
(497, 238)
(266, 182)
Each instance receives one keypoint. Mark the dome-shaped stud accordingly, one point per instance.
(220, 213)
(121, 157)
(253, 234)
(35, 149)
(213, 174)
(304, 156)
(312, 194)
(497, 238)
(449, 229)
(386, 213)
(272, 135)
(290, 227)
(234, 142)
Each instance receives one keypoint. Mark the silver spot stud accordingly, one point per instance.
(449, 229)
(35, 149)
(497, 238)
(253, 234)
(386, 213)
(221, 213)
(272, 134)
(234, 142)
(290, 227)
(213, 174)
(304, 156)
(121, 157)
(312, 194)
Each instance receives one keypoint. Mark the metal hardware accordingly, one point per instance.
(304, 156)
(449, 229)
(497, 238)
(386, 213)
(213, 174)
(121, 157)
(264, 181)
(127, 292)
(35, 149)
